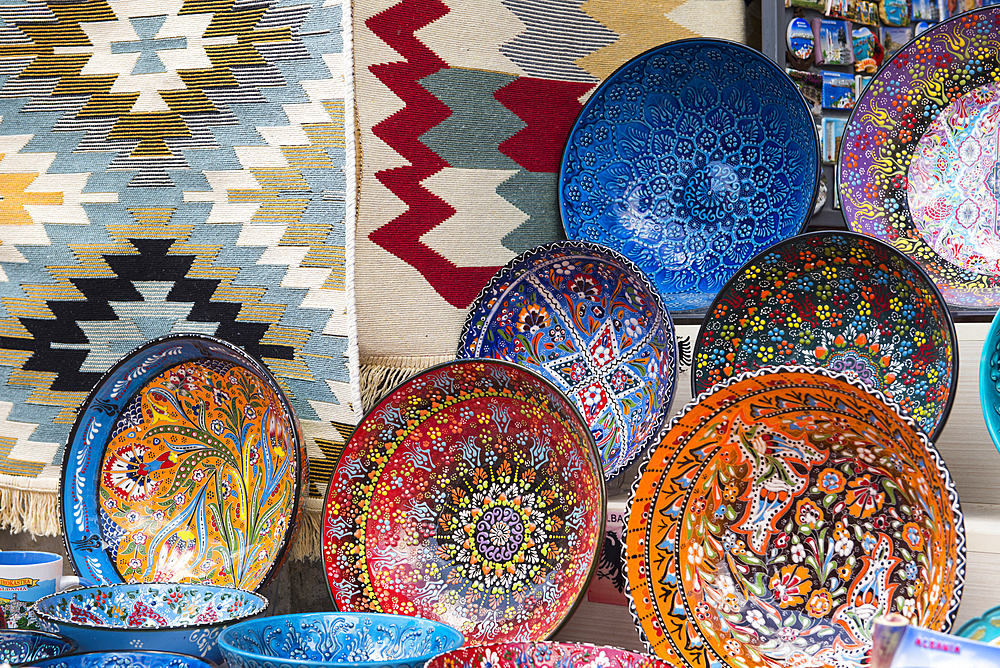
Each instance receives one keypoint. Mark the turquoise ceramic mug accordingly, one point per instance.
(25, 577)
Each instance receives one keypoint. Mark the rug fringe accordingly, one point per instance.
(33, 511)
(381, 375)
(308, 543)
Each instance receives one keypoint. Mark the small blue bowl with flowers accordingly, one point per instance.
(331, 639)
(23, 646)
(126, 659)
(185, 618)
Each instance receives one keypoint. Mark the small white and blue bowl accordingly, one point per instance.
(331, 639)
(126, 659)
(184, 618)
(21, 646)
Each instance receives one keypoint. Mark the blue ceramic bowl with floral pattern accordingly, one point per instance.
(310, 640)
(588, 320)
(21, 646)
(186, 618)
(127, 659)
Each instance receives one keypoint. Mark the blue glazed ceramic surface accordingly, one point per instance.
(588, 320)
(336, 639)
(19, 646)
(127, 659)
(989, 381)
(169, 617)
(689, 160)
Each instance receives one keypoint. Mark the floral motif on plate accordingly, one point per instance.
(195, 477)
(774, 523)
(586, 319)
(154, 606)
(689, 160)
(840, 301)
(471, 495)
(545, 655)
(918, 168)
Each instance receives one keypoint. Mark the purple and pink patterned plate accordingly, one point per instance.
(844, 302)
(780, 515)
(472, 495)
(920, 162)
(588, 320)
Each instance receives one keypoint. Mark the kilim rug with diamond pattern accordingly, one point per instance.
(464, 108)
(171, 166)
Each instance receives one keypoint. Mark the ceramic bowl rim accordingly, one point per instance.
(976, 621)
(226, 647)
(988, 393)
(590, 444)
(855, 236)
(584, 247)
(209, 662)
(933, 453)
(261, 601)
(431, 663)
(719, 43)
(71, 644)
(251, 361)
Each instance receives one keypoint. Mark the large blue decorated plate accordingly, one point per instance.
(587, 319)
(689, 160)
(185, 464)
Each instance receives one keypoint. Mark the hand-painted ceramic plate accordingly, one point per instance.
(545, 655)
(844, 302)
(586, 319)
(185, 465)
(471, 495)
(985, 628)
(780, 514)
(920, 167)
(989, 381)
(689, 160)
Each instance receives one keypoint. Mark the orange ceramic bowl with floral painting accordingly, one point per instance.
(780, 514)
(185, 464)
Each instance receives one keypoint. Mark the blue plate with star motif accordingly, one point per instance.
(588, 320)
(689, 160)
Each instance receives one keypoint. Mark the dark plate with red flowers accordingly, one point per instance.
(782, 512)
(185, 464)
(472, 495)
(587, 319)
(920, 163)
(844, 302)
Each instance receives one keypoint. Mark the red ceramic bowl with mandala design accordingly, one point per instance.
(780, 514)
(546, 655)
(472, 495)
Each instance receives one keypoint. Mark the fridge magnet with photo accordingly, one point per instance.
(895, 38)
(868, 51)
(810, 84)
(833, 41)
(838, 90)
(801, 43)
(894, 12)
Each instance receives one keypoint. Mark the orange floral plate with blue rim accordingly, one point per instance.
(186, 464)
(472, 495)
(780, 514)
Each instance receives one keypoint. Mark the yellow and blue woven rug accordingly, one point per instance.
(170, 166)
